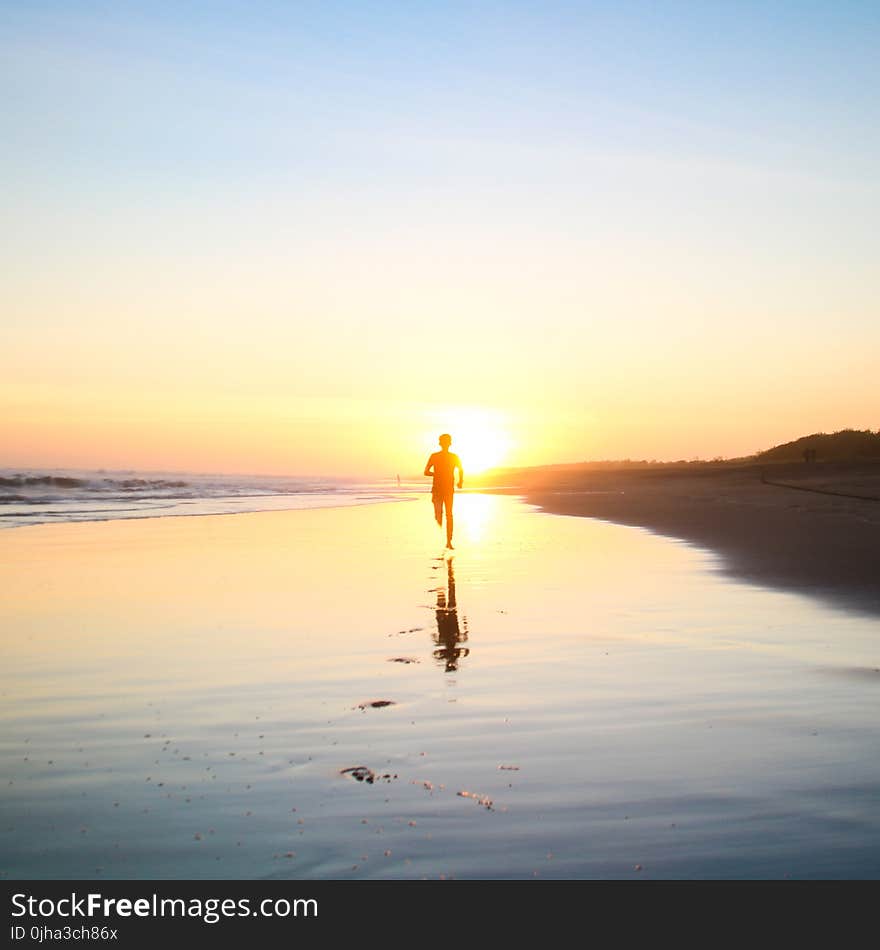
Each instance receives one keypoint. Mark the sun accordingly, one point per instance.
(480, 437)
(480, 449)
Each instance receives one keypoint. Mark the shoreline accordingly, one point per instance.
(155, 514)
(811, 530)
(813, 536)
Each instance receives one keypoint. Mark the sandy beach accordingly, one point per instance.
(812, 529)
(327, 694)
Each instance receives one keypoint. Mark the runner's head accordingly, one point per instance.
(445, 440)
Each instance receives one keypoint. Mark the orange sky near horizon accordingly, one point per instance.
(207, 431)
(311, 250)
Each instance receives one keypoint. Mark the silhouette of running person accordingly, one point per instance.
(442, 466)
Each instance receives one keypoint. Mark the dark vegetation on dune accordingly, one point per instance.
(847, 445)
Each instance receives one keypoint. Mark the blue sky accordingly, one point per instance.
(684, 194)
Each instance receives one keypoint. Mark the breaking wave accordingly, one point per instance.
(41, 497)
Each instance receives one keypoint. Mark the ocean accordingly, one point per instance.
(51, 496)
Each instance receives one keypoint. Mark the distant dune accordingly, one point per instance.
(847, 445)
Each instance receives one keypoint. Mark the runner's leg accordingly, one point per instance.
(447, 501)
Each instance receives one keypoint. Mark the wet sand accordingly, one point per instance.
(327, 694)
(812, 529)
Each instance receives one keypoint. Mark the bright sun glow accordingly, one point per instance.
(480, 437)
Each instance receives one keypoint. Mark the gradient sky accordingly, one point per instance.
(307, 237)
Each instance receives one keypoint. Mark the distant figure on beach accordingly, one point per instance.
(442, 466)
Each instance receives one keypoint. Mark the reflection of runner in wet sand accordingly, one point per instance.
(449, 636)
(442, 466)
